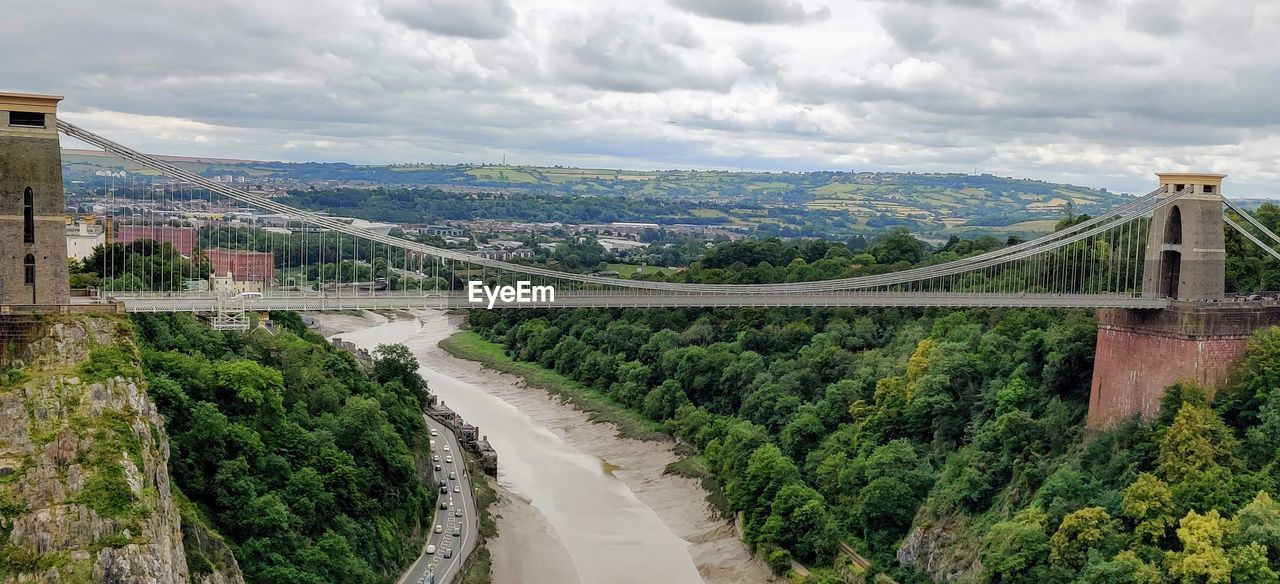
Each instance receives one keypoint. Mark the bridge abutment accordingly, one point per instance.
(1142, 352)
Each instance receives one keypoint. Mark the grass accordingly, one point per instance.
(626, 270)
(599, 407)
(476, 570)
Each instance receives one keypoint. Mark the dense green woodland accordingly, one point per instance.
(823, 425)
(300, 457)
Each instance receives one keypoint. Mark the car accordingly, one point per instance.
(444, 504)
(453, 476)
(448, 459)
(437, 467)
(457, 531)
(444, 490)
(249, 296)
(448, 553)
(431, 549)
(434, 433)
(435, 457)
(439, 529)
(457, 512)
(457, 488)
(446, 447)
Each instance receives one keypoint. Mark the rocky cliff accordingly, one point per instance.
(942, 548)
(85, 494)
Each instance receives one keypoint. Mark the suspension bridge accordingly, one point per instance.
(1153, 268)
(197, 250)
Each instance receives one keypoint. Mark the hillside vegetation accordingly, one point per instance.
(943, 444)
(300, 457)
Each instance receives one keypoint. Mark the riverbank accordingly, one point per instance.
(470, 346)
(637, 453)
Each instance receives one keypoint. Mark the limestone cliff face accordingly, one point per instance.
(933, 547)
(84, 482)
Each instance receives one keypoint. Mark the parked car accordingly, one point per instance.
(439, 529)
(431, 549)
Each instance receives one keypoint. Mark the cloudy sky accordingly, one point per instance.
(1095, 92)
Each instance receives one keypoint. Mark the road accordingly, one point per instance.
(398, 300)
(461, 545)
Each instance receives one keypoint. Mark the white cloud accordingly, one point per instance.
(1101, 92)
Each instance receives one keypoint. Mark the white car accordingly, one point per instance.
(457, 488)
(249, 296)
(439, 529)
(435, 458)
(448, 459)
(434, 433)
(446, 447)
(431, 549)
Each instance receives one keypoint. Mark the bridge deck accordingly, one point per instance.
(390, 301)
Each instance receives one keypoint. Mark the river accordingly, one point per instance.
(574, 493)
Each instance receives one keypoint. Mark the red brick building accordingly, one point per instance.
(244, 266)
(183, 239)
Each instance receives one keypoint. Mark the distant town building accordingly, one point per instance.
(441, 230)
(182, 239)
(243, 266)
(83, 237)
(503, 255)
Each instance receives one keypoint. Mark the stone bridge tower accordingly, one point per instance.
(33, 237)
(1200, 336)
(1186, 251)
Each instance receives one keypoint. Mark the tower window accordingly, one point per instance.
(28, 216)
(26, 119)
(29, 270)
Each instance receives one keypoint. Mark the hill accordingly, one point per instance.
(929, 203)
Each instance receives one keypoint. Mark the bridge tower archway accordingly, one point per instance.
(1186, 249)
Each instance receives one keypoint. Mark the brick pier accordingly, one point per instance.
(1141, 352)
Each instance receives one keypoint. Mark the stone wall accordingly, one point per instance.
(1141, 352)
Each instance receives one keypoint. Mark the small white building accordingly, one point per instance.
(227, 285)
(82, 238)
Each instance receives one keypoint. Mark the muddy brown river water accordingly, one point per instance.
(577, 503)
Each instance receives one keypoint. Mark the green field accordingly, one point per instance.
(626, 270)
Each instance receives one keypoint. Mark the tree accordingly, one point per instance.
(1249, 565)
(1125, 568)
(1148, 503)
(1259, 522)
(1090, 528)
(1196, 441)
(397, 363)
(1014, 551)
(1202, 559)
